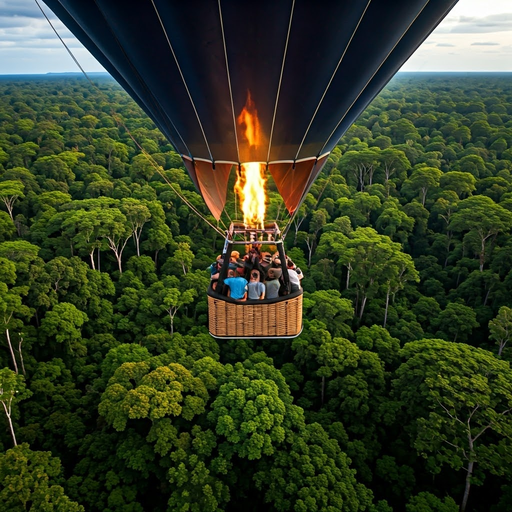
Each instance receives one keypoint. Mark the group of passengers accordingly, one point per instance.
(256, 276)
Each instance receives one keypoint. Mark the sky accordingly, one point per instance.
(475, 36)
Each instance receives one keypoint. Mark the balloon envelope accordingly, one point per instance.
(302, 70)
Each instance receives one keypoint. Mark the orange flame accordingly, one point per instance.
(250, 124)
(250, 183)
(250, 187)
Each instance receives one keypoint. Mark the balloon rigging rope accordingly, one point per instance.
(292, 217)
(151, 161)
(154, 103)
(164, 177)
(229, 80)
(121, 123)
(183, 79)
(373, 75)
(331, 79)
(280, 79)
(62, 41)
(166, 118)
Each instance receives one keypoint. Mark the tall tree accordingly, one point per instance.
(11, 305)
(84, 230)
(483, 220)
(422, 180)
(456, 321)
(10, 192)
(360, 165)
(137, 214)
(63, 323)
(403, 271)
(459, 403)
(501, 328)
(12, 391)
(394, 162)
(462, 183)
(372, 260)
(116, 231)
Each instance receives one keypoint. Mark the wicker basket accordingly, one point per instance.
(281, 318)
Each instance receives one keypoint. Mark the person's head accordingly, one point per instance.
(235, 255)
(274, 273)
(289, 263)
(255, 275)
(231, 273)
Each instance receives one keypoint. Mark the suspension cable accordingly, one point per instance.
(122, 124)
(63, 43)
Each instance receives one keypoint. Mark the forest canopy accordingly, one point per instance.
(396, 396)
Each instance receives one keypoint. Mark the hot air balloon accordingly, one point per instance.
(252, 86)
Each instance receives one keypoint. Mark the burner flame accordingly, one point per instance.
(250, 183)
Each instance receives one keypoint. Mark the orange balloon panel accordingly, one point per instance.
(213, 184)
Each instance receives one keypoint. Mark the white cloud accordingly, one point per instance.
(29, 45)
(22, 8)
(472, 25)
(453, 46)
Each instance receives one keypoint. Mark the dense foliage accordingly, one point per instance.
(396, 396)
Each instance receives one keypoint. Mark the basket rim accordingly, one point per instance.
(252, 302)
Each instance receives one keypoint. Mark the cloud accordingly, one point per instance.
(25, 31)
(23, 8)
(485, 43)
(14, 22)
(448, 45)
(477, 25)
(24, 16)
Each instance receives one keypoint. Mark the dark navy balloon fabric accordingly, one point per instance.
(309, 67)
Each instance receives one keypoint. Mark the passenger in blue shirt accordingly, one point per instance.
(237, 286)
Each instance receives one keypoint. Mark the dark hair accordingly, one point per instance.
(255, 274)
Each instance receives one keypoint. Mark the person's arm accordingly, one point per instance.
(263, 288)
(246, 291)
